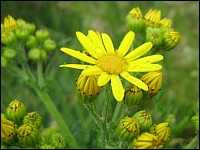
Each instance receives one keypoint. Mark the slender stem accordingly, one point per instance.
(40, 74)
(117, 112)
(105, 136)
(94, 114)
(56, 115)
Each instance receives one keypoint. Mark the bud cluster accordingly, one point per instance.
(156, 30)
(14, 32)
(139, 132)
(22, 129)
(135, 96)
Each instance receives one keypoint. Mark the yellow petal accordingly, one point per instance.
(126, 43)
(78, 55)
(134, 80)
(141, 50)
(97, 41)
(108, 43)
(103, 79)
(87, 44)
(76, 66)
(92, 70)
(147, 60)
(117, 88)
(143, 67)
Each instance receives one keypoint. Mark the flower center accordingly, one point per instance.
(113, 63)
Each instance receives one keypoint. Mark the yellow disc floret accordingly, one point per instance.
(112, 63)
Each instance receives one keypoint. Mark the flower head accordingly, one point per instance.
(109, 63)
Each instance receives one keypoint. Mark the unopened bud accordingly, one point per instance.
(34, 54)
(9, 53)
(144, 120)
(133, 96)
(16, 111)
(128, 128)
(134, 20)
(161, 130)
(57, 141)
(27, 135)
(33, 118)
(8, 131)
(146, 141)
(87, 88)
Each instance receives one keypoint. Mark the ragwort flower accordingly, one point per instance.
(109, 63)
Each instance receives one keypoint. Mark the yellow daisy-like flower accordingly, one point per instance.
(109, 63)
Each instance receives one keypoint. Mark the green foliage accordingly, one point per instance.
(62, 19)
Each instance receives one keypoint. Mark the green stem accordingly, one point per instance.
(105, 135)
(40, 74)
(193, 144)
(56, 115)
(94, 114)
(117, 112)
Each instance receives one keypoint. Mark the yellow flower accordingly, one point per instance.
(109, 63)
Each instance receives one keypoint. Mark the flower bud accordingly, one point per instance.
(154, 35)
(154, 82)
(57, 141)
(161, 130)
(128, 128)
(16, 111)
(22, 34)
(8, 131)
(43, 140)
(152, 18)
(21, 23)
(9, 23)
(42, 35)
(31, 28)
(134, 20)
(8, 38)
(195, 120)
(144, 120)
(49, 45)
(9, 53)
(27, 135)
(146, 141)
(31, 42)
(34, 54)
(87, 88)
(33, 118)
(170, 40)
(43, 54)
(4, 62)
(165, 25)
(133, 96)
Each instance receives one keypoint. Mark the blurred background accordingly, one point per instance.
(180, 92)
